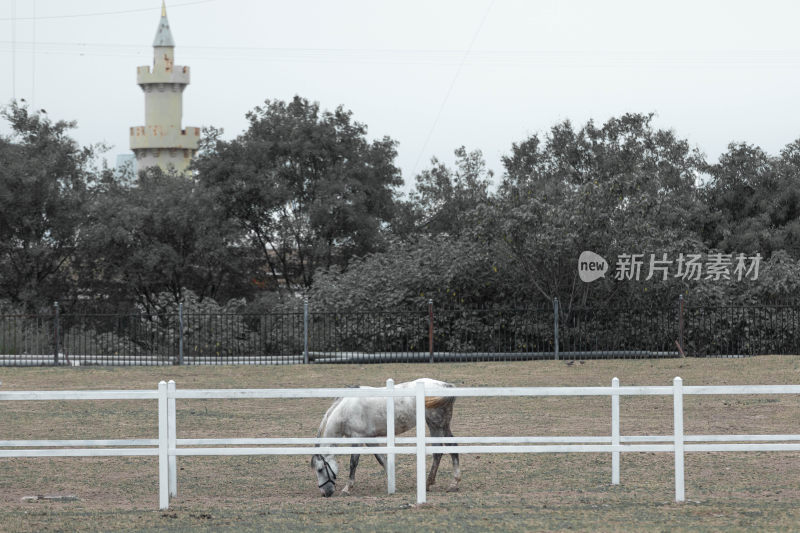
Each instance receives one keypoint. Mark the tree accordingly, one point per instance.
(45, 180)
(163, 236)
(624, 187)
(443, 199)
(754, 199)
(306, 186)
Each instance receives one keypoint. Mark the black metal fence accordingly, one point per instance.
(424, 335)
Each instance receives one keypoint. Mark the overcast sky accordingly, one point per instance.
(433, 74)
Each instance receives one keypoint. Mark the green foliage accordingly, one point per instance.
(165, 235)
(755, 201)
(303, 201)
(778, 279)
(444, 199)
(45, 182)
(449, 271)
(624, 187)
(305, 186)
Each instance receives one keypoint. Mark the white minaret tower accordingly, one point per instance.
(161, 141)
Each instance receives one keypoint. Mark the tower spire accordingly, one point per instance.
(163, 33)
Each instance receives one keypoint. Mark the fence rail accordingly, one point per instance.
(421, 335)
(168, 447)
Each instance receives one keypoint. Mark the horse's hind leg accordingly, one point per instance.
(437, 457)
(439, 425)
(352, 479)
(456, 470)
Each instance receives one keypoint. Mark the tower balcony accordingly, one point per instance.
(163, 137)
(178, 74)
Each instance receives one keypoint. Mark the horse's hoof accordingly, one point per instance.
(452, 488)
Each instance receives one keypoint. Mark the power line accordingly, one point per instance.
(104, 13)
(453, 55)
(33, 60)
(450, 89)
(14, 49)
(509, 57)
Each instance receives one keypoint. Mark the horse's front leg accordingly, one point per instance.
(352, 479)
(380, 457)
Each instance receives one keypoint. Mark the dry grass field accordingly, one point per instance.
(535, 492)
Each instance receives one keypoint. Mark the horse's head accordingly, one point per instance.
(325, 468)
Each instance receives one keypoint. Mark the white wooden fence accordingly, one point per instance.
(168, 447)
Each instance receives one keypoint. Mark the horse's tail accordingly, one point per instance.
(434, 402)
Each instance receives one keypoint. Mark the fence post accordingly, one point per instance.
(180, 333)
(421, 481)
(615, 430)
(430, 329)
(56, 333)
(163, 447)
(305, 330)
(680, 326)
(555, 326)
(677, 387)
(172, 438)
(390, 478)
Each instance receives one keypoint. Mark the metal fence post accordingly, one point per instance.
(677, 402)
(420, 406)
(390, 477)
(305, 330)
(180, 333)
(56, 333)
(555, 326)
(430, 329)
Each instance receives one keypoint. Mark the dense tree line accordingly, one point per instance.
(302, 202)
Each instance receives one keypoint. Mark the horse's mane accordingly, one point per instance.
(327, 415)
(330, 410)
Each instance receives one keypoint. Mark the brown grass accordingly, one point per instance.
(734, 491)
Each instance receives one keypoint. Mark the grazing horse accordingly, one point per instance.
(366, 417)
